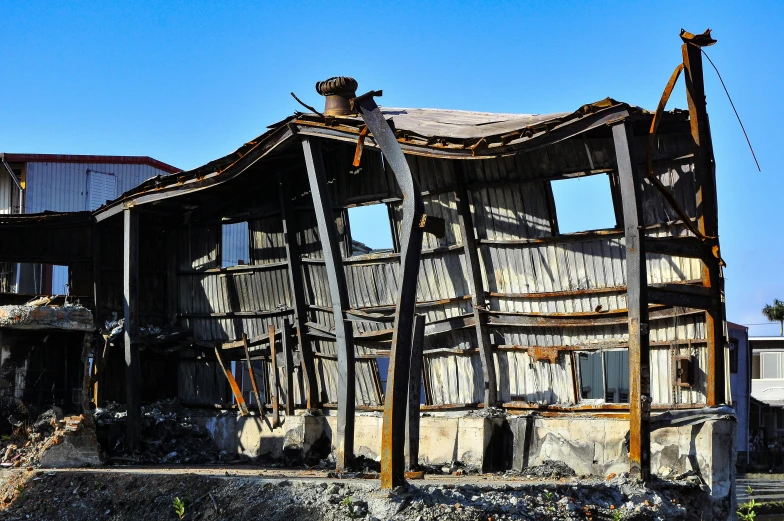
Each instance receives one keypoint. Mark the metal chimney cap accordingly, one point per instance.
(338, 90)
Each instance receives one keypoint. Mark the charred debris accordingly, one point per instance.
(483, 306)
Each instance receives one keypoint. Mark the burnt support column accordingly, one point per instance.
(412, 227)
(479, 301)
(130, 313)
(294, 260)
(637, 303)
(415, 393)
(344, 335)
(707, 213)
(172, 283)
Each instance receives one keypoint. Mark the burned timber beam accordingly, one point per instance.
(479, 301)
(344, 335)
(637, 302)
(414, 393)
(133, 390)
(707, 214)
(412, 227)
(294, 263)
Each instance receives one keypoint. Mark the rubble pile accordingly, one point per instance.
(52, 440)
(169, 435)
(79, 496)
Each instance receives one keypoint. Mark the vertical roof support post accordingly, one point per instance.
(393, 433)
(415, 393)
(294, 260)
(478, 295)
(707, 207)
(637, 303)
(130, 313)
(344, 334)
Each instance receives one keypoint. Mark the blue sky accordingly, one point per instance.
(186, 82)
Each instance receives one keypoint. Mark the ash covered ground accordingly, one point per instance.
(75, 496)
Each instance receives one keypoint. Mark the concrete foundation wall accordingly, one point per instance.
(591, 445)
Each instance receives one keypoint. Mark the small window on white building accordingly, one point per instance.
(102, 188)
(370, 229)
(771, 366)
(235, 249)
(584, 203)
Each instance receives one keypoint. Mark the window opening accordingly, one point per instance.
(584, 203)
(235, 247)
(103, 187)
(604, 376)
(59, 280)
(733, 355)
(371, 231)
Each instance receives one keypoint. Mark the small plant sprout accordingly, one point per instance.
(179, 507)
(348, 502)
(746, 510)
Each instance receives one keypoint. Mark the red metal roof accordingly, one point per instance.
(75, 158)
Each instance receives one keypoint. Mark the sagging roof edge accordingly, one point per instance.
(223, 169)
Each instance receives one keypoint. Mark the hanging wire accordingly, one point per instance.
(733, 105)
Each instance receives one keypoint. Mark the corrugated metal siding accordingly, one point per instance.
(7, 188)
(64, 187)
(525, 267)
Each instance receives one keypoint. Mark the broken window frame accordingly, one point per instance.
(614, 197)
(393, 231)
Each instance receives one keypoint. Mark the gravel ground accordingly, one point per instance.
(89, 496)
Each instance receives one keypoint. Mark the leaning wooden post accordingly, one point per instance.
(478, 294)
(637, 303)
(252, 374)
(274, 385)
(414, 393)
(294, 261)
(707, 214)
(130, 314)
(344, 335)
(288, 357)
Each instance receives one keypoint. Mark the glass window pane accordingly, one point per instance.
(617, 370)
(591, 378)
(771, 366)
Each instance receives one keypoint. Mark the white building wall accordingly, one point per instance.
(65, 187)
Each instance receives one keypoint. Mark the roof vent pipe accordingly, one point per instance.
(338, 90)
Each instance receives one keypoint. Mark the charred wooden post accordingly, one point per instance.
(274, 384)
(479, 301)
(294, 261)
(252, 375)
(97, 273)
(288, 356)
(637, 303)
(133, 388)
(707, 214)
(172, 288)
(336, 277)
(412, 227)
(414, 393)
